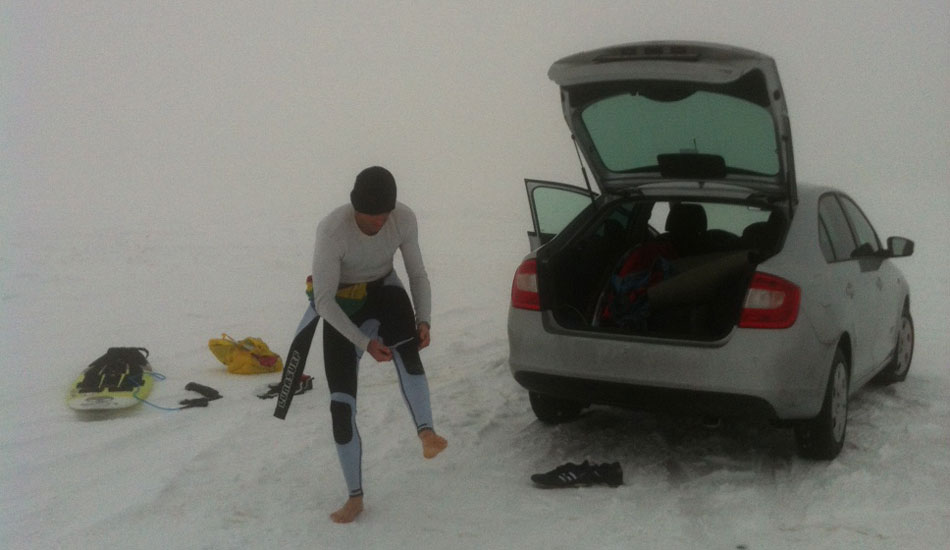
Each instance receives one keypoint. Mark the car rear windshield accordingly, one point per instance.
(633, 132)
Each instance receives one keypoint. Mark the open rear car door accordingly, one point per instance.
(553, 206)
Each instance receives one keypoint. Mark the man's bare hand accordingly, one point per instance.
(379, 352)
(423, 330)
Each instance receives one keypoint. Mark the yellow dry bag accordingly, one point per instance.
(248, 356)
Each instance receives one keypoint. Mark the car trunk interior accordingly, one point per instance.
(666, 269)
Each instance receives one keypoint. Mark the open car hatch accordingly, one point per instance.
(655, 114)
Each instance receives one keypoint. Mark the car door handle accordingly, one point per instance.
(849, 290)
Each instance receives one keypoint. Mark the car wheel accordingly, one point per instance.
(553, 410)
(822, 437)
(897, 370)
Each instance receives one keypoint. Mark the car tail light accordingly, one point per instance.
(771, 302)
(524, 288)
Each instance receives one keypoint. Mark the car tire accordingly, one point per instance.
(897, 369)
(553, 410)
(822, 437)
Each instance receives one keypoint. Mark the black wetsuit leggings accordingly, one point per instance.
(385, 313)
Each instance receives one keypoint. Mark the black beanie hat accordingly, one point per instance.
(374, 191)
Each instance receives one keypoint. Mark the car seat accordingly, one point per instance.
(686, 228)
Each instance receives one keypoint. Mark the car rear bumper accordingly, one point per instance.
(650, 398)
(780, 373)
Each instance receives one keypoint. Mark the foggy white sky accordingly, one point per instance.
(171, 111)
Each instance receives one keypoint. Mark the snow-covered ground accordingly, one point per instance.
(233, 476)
(163, 170)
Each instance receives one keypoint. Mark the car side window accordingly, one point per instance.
(867, 237)
(833, 222)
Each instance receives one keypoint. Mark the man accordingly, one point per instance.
(365, 308)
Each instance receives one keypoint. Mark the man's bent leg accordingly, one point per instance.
(413, 383)
(415, 391)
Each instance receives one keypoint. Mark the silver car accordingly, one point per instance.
(700, 276)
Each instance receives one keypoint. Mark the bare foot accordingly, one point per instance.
(432, 444)
(351, 509)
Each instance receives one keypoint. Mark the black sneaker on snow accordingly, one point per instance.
(584, 474)
(566, 475)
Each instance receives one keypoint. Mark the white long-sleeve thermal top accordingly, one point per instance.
(343, 254)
